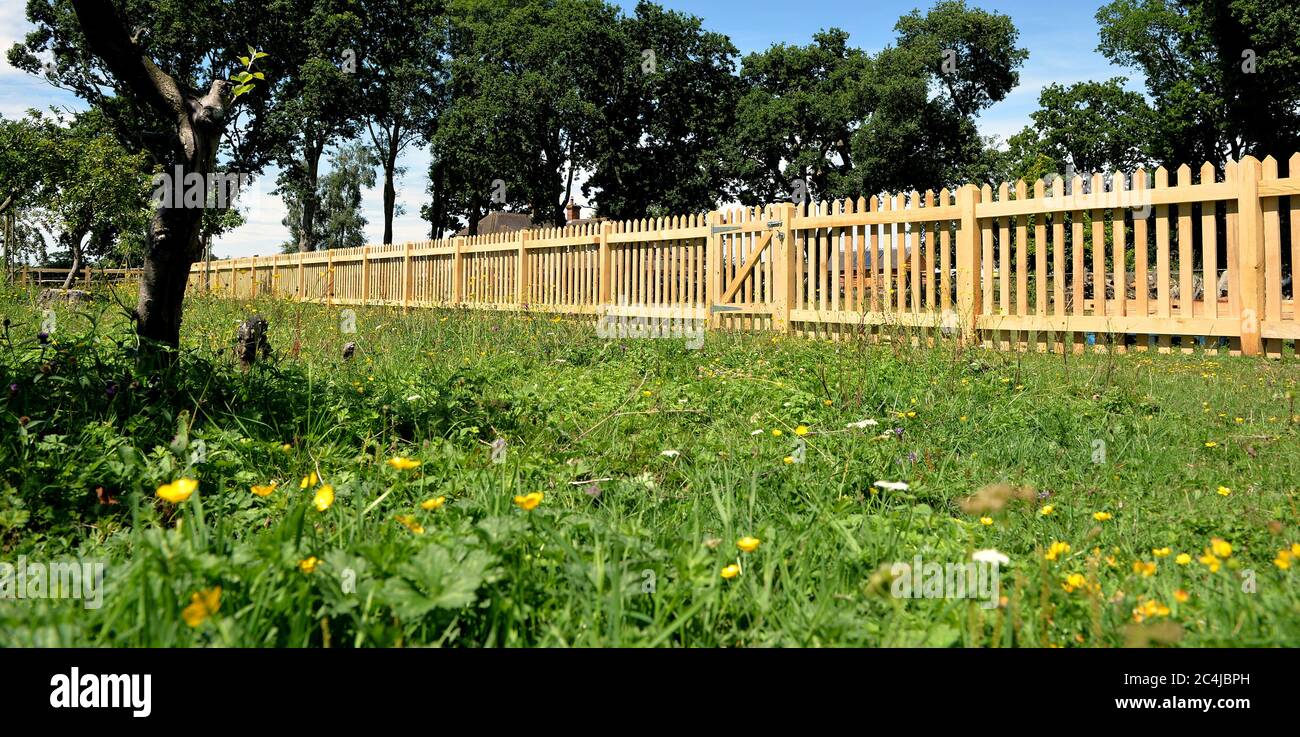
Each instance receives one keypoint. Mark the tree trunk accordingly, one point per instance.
(307, 228)
(74, 245)
(199, 122)
(390, 192)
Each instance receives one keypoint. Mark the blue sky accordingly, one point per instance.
(1061, 38)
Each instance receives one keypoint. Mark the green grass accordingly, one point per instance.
(627, 547)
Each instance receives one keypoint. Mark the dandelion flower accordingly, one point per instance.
(748, 544)
(1046, 510)
(777, 433)
(1183, 559)
(203, 604)
(1101, 516)
(266, 490)
(324, 498)
(308, 565)
(402, 463)
(178, 490)
(731, 571)
(432, 504)
(528, 502)
(801, 430)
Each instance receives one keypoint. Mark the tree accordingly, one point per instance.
(401, 69)
(340, 223)
(530, 81)
(158, 71)
(660, 149)
(1095, 126)
(1223, 76)
(843, 122)
(320, 104)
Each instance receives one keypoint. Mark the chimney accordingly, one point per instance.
(572, 211)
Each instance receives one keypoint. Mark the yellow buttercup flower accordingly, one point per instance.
(1073, 582)
(1181, 596)
(309, 480)
(403, 463)
(410, 523)
(1161, 552)
(431, 504)
(748, 544)
(1283, 559)
(776, 433)
(788, 460)
(178, 490)
(1295, 549)
(986, 521)
(1101, 516)
(528, 502)
(1220, 547)
(1183, 559)
(324, 498)
(266, 490)
(1210, 562)
(203, 604)
(1211, 444)
(731, 571)
(308, 565)
(1146, 569)
(1224, 491)
(1046, 510)
(1056, 550)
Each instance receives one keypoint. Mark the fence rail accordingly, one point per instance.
(38, 275)
(1161, 261)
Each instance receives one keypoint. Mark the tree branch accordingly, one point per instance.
(106, 35)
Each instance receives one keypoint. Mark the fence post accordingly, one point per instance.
(968, 263)
(252, 276)
(87, 278)
(1250, 254)
(521, 270)
(301, 275)
(458, 270)
(406, 277)
(785, 260)
(713, 270)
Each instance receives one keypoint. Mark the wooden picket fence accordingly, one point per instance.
(1111, 263)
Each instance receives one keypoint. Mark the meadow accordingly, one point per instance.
(492, 479)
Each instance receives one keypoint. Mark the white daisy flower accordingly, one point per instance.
(863, 423)
(892, 485)
(671, 453)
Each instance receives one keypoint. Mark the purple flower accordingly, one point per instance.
(593, 491)
(912, 456)
(898, 431)
(43, 336)
(1044, 494)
